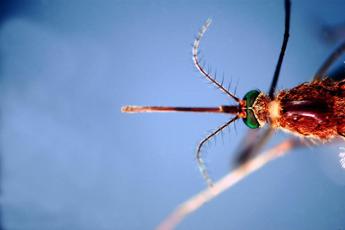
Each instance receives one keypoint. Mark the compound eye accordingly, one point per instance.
(251, 120)
(250, 97)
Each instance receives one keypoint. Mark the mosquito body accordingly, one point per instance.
(313, 110)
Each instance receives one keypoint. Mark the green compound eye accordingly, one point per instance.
(251, 120)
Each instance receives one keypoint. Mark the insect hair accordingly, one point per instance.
(200, 67)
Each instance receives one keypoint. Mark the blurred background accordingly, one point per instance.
(70, 159)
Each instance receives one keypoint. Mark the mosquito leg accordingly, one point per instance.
(200, 161)
(233, 177)
(282, 50)
(321, 73)
(253, 145)
(252, 148)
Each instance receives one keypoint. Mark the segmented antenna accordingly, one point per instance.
(205, 73)
(201, 163)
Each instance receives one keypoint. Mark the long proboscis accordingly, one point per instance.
(229, 109)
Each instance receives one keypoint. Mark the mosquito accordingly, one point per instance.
(313, 110)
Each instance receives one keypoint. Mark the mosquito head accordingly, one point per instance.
(255, 109)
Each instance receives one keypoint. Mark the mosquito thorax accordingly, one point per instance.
(256, 109)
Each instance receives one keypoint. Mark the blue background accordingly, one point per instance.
(71, 160)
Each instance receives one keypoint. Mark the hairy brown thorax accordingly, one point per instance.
(315, 109)
(260, 108)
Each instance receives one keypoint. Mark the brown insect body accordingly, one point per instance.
(314, 109)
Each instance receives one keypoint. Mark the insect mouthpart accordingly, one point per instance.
(250, 119)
